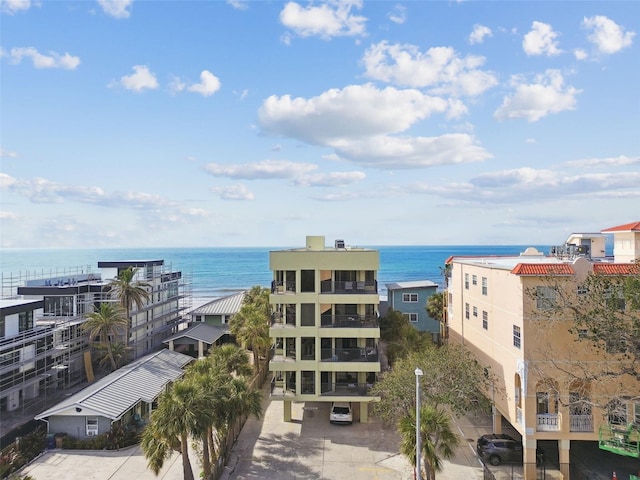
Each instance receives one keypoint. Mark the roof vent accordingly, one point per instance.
(339, 243)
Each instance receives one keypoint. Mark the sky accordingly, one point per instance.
(159, 123)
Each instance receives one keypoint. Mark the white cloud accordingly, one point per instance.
(239, 4)
(116, 8)
(234, 192)
(439, 68)
(580, 54)
(354, 111)
(359, 120)
(209, 84)
(7, 154)
(541, 40)
(523, 185)
(479, 33)
(398, 14)
(267, 169)
(533, 101)
(619, 161)
(333, 179)
(327, 20)
(52, 60)
(6, 181)
(140, 80)
(12, 6)
(8, 216)
(607, 36)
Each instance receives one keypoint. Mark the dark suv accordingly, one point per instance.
(497, 448)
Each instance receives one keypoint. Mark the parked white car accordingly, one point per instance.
(340, 413)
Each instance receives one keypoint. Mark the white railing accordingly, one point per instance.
(581, 423)
(548, 422)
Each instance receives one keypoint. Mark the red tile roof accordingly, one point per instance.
(628, 227)
(616, 268)
(541, 269)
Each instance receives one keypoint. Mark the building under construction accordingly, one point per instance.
(44, 352)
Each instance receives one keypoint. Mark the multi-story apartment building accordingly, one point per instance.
(410, 299)
(43, 349)
(325, 324)
(548, 384)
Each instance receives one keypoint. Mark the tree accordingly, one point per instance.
(182, 411)
(250, 327)
(231, 359)
(400, 336)
(435, 306)
(600, 358)
(452, 379)
(437, 439)
(129, 292)
(107, 321)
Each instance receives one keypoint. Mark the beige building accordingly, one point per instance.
(497, 307)
(325, 324)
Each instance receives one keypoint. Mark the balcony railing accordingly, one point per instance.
(329, 286)
(343, 389)
(581, 423)
(279, 320)
(349, 321)
(281, 287)
(548, 422)
(349, 354)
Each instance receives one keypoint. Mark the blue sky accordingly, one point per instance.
(210, 123)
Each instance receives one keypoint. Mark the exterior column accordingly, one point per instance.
(364, 412)
(497, 420)
(529, 458)
(171, 345)
(287, 410)
(564, 447)
(200, 349)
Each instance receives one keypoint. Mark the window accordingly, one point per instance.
(410, 297)
(484, 285)
(25, 321)
(581, 290)
(412, 317)
(545, 298)
(92, 426)
(475, 311)
(583, 333)
(516, 336)
(636, 417)
(615, 299)
(485, 320)
(466, 281)
(466, 311)
(474, 279)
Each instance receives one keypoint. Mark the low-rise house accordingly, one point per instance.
(126, 396)
(410, 299)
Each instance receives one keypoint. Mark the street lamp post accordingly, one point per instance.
(418, 373)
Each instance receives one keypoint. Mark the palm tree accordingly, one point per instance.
(231, 359)
(250, 326)
(107, 321)
(182, 411)
(129, 292)
(435, 306)
(437, 439)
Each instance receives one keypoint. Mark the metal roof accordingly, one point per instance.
(413, 284)
(221, 306)
(201, 332)
(115, 394)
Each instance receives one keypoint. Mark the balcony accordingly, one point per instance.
(280, 287)
(581, 423)
(329, 286)
(519, 416)
(349, 321)
(278, 320)
(548, 422)
(349, 354)
(345, 389)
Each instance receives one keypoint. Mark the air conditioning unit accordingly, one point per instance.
(92, 433)
(339, 243)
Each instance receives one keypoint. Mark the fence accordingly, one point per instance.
(544, 471)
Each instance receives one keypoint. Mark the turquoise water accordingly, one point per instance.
(215, 272)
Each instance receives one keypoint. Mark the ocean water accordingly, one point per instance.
(215, 272)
